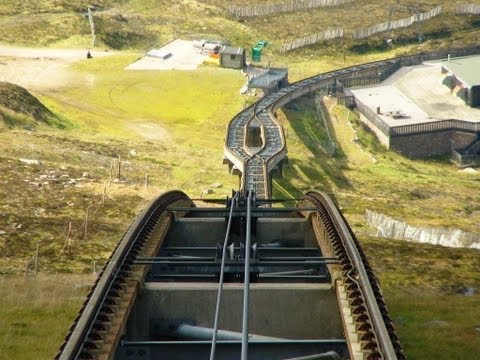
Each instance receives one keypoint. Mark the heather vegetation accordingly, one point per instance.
(74, 159)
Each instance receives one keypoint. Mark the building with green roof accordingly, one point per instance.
(464, 73)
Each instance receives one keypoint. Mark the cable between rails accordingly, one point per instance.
(220, 282)
(246, 284)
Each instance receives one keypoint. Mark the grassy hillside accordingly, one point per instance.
(170, 125)
(424, 285)
(146, 23)
(18, 107)
(141, 117)
(429, 192)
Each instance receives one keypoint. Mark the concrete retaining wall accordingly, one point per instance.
(394, 229)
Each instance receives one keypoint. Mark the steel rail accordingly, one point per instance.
(246, 284)
(230, 342)
(220, 281)
(361, 276)
(72, 347)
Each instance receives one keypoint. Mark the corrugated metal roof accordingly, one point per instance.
(230, 50)
(267, 79)
(466, 69)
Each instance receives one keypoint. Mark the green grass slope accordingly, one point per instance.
(18, 107)
(147, 23)
(171, 125)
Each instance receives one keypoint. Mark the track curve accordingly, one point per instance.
(88, 335)
(274, 149)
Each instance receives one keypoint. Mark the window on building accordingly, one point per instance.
(232, 57)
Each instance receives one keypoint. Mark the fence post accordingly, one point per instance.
(119, 167)
(68, 239)
(36, 256)
(92, 25)
(86, 223)
(104, 193)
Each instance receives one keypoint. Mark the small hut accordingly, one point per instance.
(232, 57)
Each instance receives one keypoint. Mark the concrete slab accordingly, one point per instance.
(417, 93)
(390, 100)
(184, 56)
(294, 311)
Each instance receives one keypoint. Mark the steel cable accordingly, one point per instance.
(220, 282)
(246, 283)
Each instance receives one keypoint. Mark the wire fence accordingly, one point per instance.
(78, 228)
(275, 8)
(329, 146)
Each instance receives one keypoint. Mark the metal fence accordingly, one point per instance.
(465, 159)
(373, 117)
(289, 6)
(329, 146)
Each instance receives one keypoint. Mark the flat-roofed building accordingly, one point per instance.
(232, 57)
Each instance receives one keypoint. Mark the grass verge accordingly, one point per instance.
(35, 313)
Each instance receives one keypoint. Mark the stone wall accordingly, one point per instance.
(461, 140)
(394, 229)
(422, 145)
(431, 144)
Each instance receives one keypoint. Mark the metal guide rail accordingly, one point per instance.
(90, 328)
(247, 267)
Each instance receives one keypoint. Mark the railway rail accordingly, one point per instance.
(173, 285)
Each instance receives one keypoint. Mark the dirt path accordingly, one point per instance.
(347, 138)
(46, 71)
(40, 69)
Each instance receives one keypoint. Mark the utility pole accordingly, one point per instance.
(92, 25)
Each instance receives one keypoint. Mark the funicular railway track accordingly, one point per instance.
(273, 152)
(244, 279)
(160, 295)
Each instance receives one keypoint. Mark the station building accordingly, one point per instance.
(463, 78)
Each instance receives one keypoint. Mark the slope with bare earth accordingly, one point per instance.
(19, 107)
